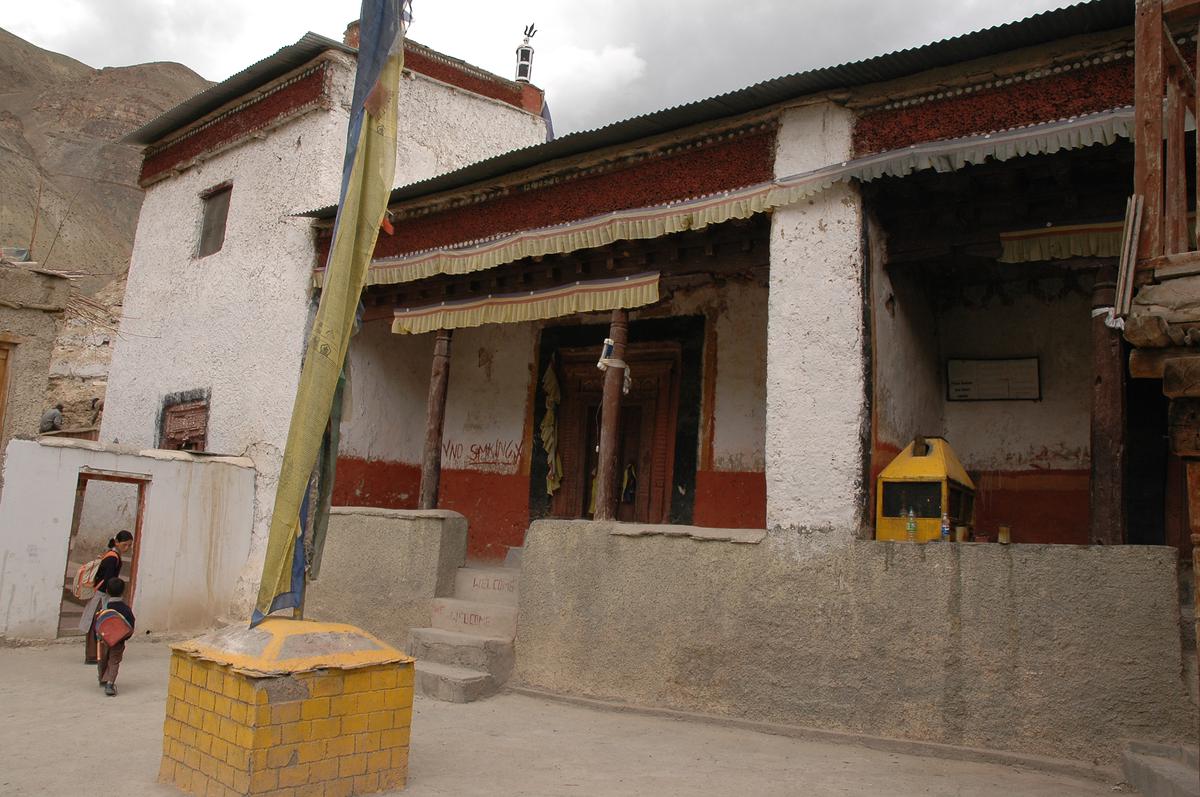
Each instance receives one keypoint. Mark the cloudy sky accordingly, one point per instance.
(599, 60)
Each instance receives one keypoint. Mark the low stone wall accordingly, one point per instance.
(382, 568)
(1045, 649)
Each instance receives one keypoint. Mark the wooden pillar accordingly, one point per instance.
(1148, 77)
(1108, 419)
(610, 421)
(435, 419)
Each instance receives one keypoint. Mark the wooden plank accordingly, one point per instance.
(607, 492)
(1183, 429)
(1127, 266)
(1177, 63)
(1149, 363)
(1178, 10)
(1181, 265)
(435, 420)
(1148, 121)
(1175, 223)
(1181, 377)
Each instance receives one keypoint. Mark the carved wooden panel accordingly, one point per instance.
(185, 426)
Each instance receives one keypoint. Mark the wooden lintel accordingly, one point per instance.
(1183, 427)
(1179, 264)
(1181, 377)
(1149, 363)
(1180, 10)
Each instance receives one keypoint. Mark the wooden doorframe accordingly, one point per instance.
(655, 369)
(142, 482)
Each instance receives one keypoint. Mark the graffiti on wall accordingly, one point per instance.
(491, 455)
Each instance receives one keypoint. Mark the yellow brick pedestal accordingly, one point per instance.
(287, 709)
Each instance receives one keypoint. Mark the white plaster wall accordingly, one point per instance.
(191, 550)
(383, 416)
(234, 322)
(108, 507)
(1052, 433)
(815, 391)
(491, 371)
(908, 385)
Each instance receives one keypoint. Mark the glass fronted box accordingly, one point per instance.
(927, 478)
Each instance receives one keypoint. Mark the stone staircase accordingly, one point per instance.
(1161, 770)
(468, 653)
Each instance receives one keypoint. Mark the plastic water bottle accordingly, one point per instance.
(910, 527)
(945, 527)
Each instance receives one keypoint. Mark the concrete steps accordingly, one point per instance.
(1159, 770)
(467, 654)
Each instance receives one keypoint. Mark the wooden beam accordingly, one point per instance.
(1149, 363)
(607, 492)
(1177, 10)
(1181, 377)
(1107, 493)
(1148, 75)
(435, 420)
(1177, 63)
(1175, 221)
(1183, 428)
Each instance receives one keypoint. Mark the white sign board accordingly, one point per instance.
(993, 380)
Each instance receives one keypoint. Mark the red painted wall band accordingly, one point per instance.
(730, 500)
(1058, 96)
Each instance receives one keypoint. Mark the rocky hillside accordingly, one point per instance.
(59, 124)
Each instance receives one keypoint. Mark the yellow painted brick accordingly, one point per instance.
(384, 678)
(195, 717)
(327, 685)
(166, 770)
(220, 748)
(357, 682)
(293, 732)
(258, 760)
(215, 682)
(308, 752)
(177, 750)
(400, 697)
(283, 712)
(282, 755)
(379, 720)
(311, 790)
(340, 746)
(211, 723)
(393, 779)
(379, 761)
(396, 737)
(196, 783)
(176, 688)
(171, 728)
(325, 728)
(366, 783)
(208, 700)
(352, 765)
(400, 758)
(367, 742)
(238, 712)
(402, 718)
(371, 701)
(210, 766)
(354, 723)
(222, 705)
(246, 692)
(404, 675)
(339, 788)
(225, 773)
(231, 686)
(262, 714)
(204, 742)
(241, 782)
(264, 780)
(324, 770)
(188, 736)
(198, 676)
(191, 694)
(315, 708)
(238, 757)
(266, 736)
(290, 791)
(245, 736)
(342, 705)
(229, 730)
(296, 775)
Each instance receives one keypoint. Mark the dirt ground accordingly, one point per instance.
(59, 733)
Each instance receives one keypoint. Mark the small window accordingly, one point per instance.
(924, 498)
(212, 227)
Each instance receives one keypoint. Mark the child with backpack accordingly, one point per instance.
(114, 625)
(97, 574)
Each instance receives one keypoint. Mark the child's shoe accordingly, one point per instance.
(110, 690)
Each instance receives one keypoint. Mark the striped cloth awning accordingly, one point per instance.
(1105, 127)
(577, 297)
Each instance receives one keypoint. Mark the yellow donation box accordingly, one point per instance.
(928, 479)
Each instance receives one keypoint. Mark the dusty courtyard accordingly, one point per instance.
(59, 735)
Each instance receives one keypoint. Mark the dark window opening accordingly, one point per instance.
(924, 498)
(216, 211)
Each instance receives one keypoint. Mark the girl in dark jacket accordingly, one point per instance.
(110, 568)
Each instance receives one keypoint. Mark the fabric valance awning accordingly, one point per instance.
(577, 297)
(651, 222)
(1061, 243)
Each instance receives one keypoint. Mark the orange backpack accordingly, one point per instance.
(84, 587)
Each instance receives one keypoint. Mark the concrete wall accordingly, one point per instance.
(30, 331)
(1051, 650)
(816, 379)
(382, 568)
(193, 543)
(241, 313)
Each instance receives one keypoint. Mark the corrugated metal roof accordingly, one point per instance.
(1081, 18)
(285, 60)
